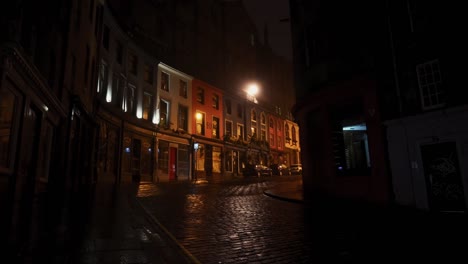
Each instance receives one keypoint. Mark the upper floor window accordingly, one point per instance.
(433, 94)
(130, 99)
(272, 123)
(228, 130)
(164, 81)
(262, 119)
(215, 128)
(200, 95)
(148, 73)
(147, 105)
(164, 113)
(106, 37)
(200, 123)
(133, 64)
(286, 131)
(182, 121)
(254, 116)
(293, 133)
(228, 107)
(215, 101)
(102, 78)
(183, 88)
(239, 110)
(119, 52)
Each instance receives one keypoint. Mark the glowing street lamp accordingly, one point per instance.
(252, 91)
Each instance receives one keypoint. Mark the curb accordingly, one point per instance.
(189, 255)
(292, 200)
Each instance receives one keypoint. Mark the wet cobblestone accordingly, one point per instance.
(231, 222)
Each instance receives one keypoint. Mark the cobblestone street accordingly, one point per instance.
(232, 222)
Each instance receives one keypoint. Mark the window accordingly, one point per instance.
(163, 156)
(272, 123)
(430, 85)
(293, 133)
(263, 135)
(254, 115)
(228, 131)
(253, 126)
(272, 139)
(286, 131)
(279, 126)
(119, 52)
(148, 73)
(133, 64)
(103, 75)
(240, 131)
(200, 95)
(147, 105)
(183, 88)
(130, 99)
(228, 107)
(164, 81)
(7, 109)
(350, 144)
(239, 110)
(106, 37)
(164, 113)
(280, 143)
(200, 123)
(215, 129)
(215, 101)
(262, 119)
(182, 118)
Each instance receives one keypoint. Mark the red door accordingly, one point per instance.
(172, 163)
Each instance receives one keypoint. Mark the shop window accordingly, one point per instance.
(163, 156)
(350, 146)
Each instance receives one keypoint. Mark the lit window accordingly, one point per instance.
(200, 123)
(240, 131)
(215, 128)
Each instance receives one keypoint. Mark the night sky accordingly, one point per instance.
(279, 32)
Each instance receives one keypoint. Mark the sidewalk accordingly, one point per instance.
(119, 231)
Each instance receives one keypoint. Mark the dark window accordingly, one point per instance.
(215, 101)
(286, 131)
(164, 81)
(131, 98)
(200, 95)
(228, 131)
(183, 88)
(119, 52)
(182, 117)
(148, 73)
(239, 111)
(164, 113)
(106, 37)
(228, 107)
(133, 64)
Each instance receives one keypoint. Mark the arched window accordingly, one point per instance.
(286, 131)
(262, 118)
(294, 140)
(254, 115)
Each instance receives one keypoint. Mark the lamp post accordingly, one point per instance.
(195, 147)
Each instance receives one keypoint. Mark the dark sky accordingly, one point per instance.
(270, 12)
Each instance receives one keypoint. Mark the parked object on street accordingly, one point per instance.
(280, 169)
(263, 170)
(295, 169)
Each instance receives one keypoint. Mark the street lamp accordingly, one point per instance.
(252, 90)
(195, 147)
